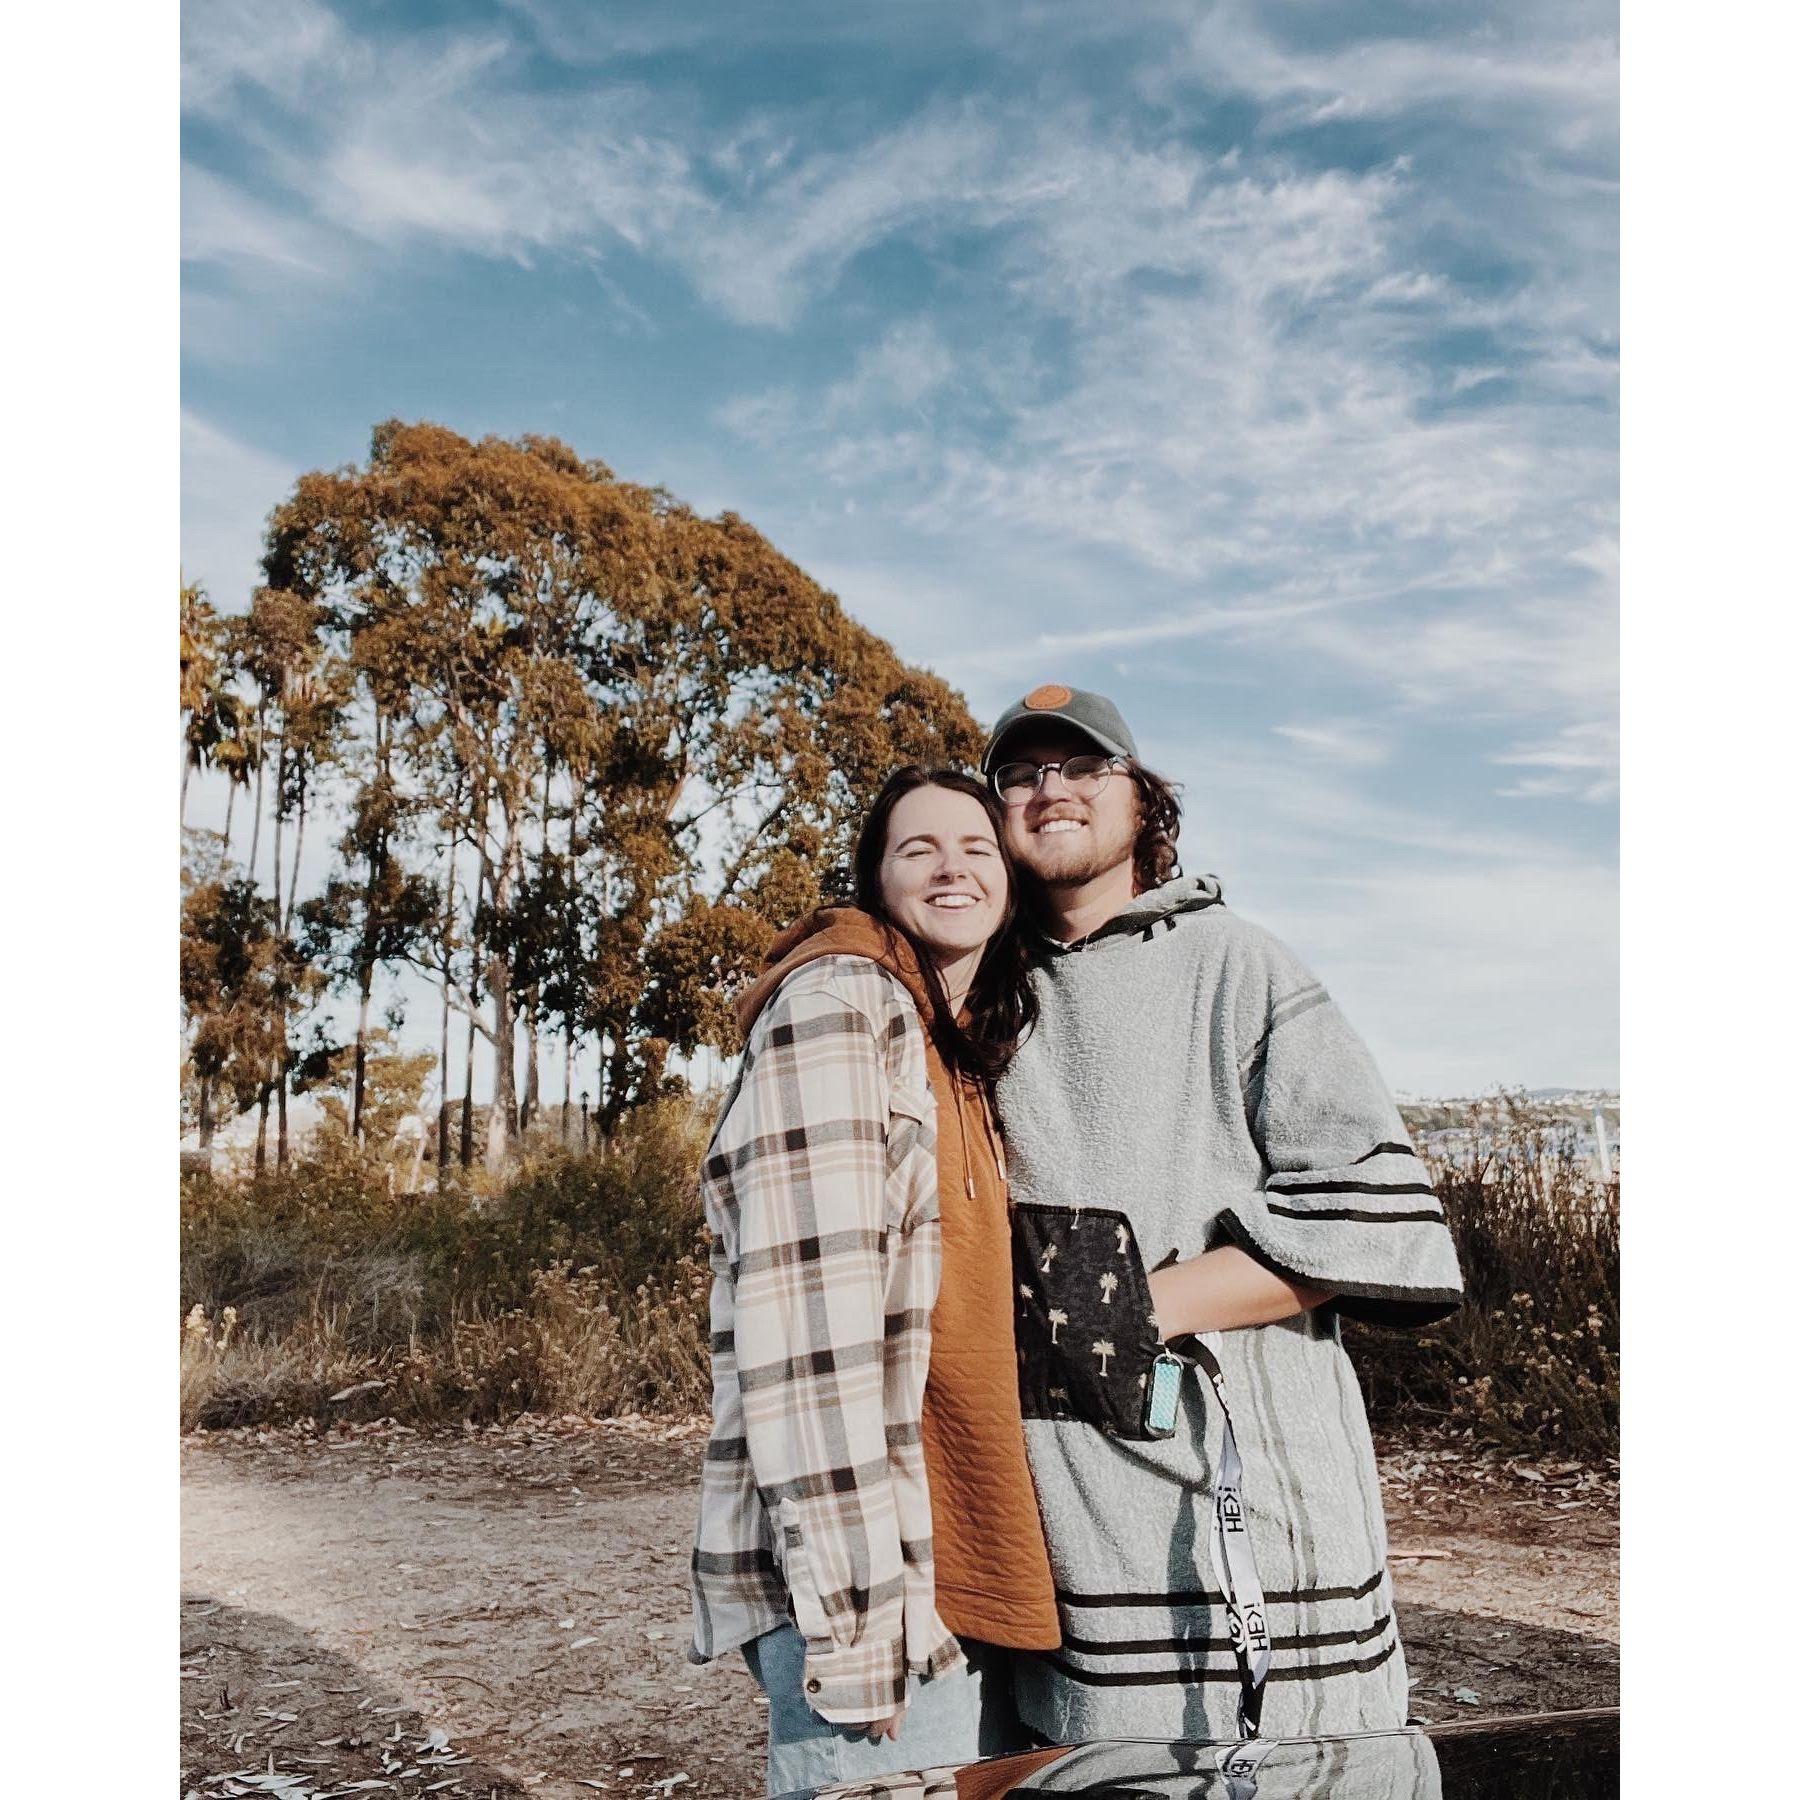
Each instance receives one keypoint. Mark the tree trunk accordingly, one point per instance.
(281, 1132)
(481, 886)
(529, 1110)
(280, 814)
(262, 1127)
(206, 1117)
(294, 877)
(532, 1104)
(466, 1143)
(284, 913)
(503, 1112)
(449, 929)
(443, 1111)
(618, 1070)
(231, 788)
(256, 821)
(187, 768)
(568, 1084)
(366, 973)
(366, 984)
(505, 1106)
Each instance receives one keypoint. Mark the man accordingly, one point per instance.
(1203, 1159)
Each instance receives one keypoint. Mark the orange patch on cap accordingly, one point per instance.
(1048, 697)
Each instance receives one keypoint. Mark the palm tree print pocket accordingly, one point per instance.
(1086, 1334)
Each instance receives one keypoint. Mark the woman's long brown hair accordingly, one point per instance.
(1002, 1007)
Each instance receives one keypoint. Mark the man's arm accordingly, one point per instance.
(1225, 1290)
(1345, 1208)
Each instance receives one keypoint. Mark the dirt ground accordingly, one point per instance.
(505, 1612)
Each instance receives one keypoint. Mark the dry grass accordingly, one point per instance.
(1532, 1359)
(579, 1288)
(582, 1288)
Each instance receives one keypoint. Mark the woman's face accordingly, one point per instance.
(941, 873)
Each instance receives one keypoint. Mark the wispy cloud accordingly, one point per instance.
(223, 225)
(228, 488)
(1579, 762)
(1563, 58)
(1349, 743)
(1465, 955)
(1261, 358)
(276, 47)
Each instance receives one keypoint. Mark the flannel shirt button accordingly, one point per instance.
(813, 1686)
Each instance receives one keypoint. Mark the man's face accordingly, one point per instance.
(1064, 840)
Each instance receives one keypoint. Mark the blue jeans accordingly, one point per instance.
(955, 1719)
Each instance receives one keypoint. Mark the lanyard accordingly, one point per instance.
(1240, 1763)
(1234, 1562)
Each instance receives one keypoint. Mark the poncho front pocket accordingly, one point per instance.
(1085, 1328)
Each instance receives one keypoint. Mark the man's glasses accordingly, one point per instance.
(1083, 776)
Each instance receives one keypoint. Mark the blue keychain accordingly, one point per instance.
(1162, 1393)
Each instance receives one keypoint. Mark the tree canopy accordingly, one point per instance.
(590, 749)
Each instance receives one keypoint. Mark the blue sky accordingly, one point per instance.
(1254, 364)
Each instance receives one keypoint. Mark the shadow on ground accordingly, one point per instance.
(1507, 1666)
(254, 1685)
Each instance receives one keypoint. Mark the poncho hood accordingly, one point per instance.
(833, 931)
(1185, 894)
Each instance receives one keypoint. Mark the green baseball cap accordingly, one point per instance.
(1093, 715)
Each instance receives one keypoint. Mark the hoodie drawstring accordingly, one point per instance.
(962, 1126)
(994, 1140)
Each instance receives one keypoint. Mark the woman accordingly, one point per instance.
(868, 1532)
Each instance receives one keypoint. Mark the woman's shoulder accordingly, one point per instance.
(848, 979)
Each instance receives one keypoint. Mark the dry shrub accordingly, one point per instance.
(1531, 1361)
(581, 1287)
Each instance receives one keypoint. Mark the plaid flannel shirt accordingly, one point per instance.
(820, 1186)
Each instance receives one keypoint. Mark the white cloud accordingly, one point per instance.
(1354, 423)
(228, 489)
(1579, 762)
(1466, 956)
(278, 46)
(1560, 66)
(1268, 436)
(907, 365)
(1350, 743)
(223, 225)
(761, 258)
(1464, 979)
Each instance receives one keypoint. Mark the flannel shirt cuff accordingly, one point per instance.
(855, 1684)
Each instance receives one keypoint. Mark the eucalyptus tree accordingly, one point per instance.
(542, 643)
(231, 993)
(213, 722)
(279, 647)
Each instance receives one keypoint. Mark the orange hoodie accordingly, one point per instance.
(993, 1572)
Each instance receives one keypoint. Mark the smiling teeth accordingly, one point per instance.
(1059, 825)
(956, 902)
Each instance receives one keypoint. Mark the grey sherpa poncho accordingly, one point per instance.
(1188, 1073)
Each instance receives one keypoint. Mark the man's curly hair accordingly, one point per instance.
(1154, 856)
